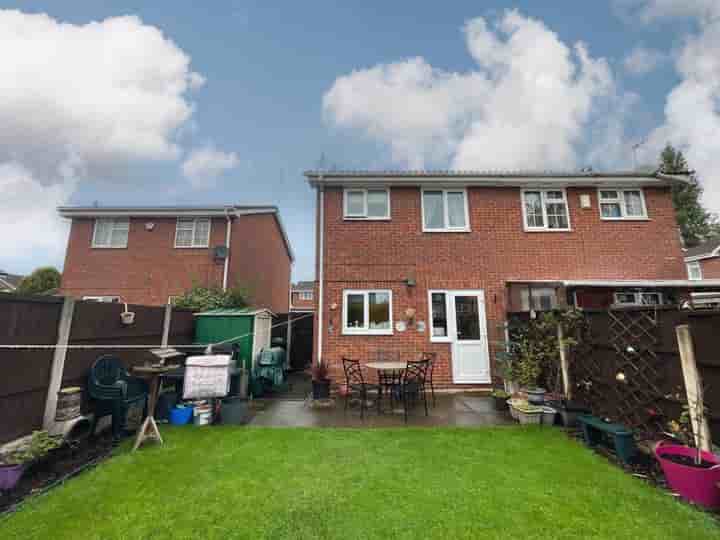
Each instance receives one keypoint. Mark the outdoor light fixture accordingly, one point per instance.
(620, 377)
(630, 349)
(409, 282)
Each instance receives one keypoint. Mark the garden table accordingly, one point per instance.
(389, 374)
(149, 429)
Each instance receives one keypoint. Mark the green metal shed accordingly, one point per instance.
(250, 328)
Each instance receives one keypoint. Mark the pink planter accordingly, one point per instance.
(696, 485)
(10, 476)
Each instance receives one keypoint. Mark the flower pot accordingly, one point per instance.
(321, 389)
(10, 475)
(527, 418)
(536, 396)
(698, 485)
(501, 403)
(548, 416)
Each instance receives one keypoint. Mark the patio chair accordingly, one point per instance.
(412, 387)
(356, 385)
(388, 381)
(431, 357)
(114, 391)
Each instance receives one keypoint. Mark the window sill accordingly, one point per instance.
(192, 247)
(529, 230)
(108, 247)
(625, 218)
(346, 332)
(446, 230)
(360, 218)
(440, 340)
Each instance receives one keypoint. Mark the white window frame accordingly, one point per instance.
(543, 204)
(638, 295)
(366, 331)
(623, 206)
(364, 216)
(446, 217)
(109, 299)
(193, 245)
(695, 265)
(433, 338)
(115, 221)
(305, 295)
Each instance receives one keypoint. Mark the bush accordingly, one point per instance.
(205, 298)
(44, 279)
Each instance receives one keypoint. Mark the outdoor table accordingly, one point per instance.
(387, 370)
(149, 429)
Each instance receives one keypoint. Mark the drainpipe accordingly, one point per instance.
(321, 273)
(228, 229)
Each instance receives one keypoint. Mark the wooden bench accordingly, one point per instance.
(594, 428)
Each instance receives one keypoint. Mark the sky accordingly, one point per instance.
(163, 103)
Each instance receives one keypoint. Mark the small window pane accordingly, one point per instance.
(102, 232)
(624, 298)
(355, 311)
(456, 209)
(610, 210)
(606, 195)
(433, 209)
(533, 209)
(650, 299)
(557, 216)
(694, 271)
(377, 202)
(439, 315)
(185, 224)
(554, 195)
(633, 204)
(355, 203)
(184, 237)
(202, 233)
(379, 310)
(119, 237)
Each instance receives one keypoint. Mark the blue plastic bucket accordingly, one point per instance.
(181, 415)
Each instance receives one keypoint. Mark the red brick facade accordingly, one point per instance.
(150, 269)
(383, 254)
(710, 268)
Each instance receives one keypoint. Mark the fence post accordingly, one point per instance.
(693, 387)
(564, 362)
(58, 363)
(166, 325)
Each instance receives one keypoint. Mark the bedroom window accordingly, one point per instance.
(192, 233)
(545, 210)
(618, 204)
(445, 210)
(111, 233)
(366, 204)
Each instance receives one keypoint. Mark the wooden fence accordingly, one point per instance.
(627, 366)
(25, 373)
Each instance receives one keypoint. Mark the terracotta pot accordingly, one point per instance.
(692, 483)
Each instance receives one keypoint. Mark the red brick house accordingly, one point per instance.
(703, 263)
(148, 255)
(302, 296)
(434, 261)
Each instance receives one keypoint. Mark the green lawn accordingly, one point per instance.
(224, 482)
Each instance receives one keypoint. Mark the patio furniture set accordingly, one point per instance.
(405, 383)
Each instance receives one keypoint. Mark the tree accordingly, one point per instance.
(42, 280)
(204, 298)
(696, 223)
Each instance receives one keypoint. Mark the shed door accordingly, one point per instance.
(263, 331)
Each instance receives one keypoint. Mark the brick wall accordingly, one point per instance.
(710, 268)
(151, 269)
(299, 303)
(382, 254)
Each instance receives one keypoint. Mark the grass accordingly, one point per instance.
(230, 482)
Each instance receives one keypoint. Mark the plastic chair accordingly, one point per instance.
(114, 391)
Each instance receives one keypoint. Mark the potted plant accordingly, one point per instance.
(690, 471)
(320, 381)
(500, 398)
(525, 412)
(14, 463)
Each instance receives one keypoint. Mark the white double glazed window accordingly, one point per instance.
(361, 203)
(694, 271)
(367, 312)
(445, 210)
(192, 233)
(111, 232)
(619, 204)
(545, 210)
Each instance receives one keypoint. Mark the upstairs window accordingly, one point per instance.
(366, 204)
(545, 210)
(367, 312)
(694, 271)
(622, 204)
(192, 233)
(111, 233)
(306, 295)
(445, 210)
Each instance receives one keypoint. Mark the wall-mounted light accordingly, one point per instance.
(620, 377)
(410, 282)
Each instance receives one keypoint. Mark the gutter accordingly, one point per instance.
(228, 230)
(321, 272)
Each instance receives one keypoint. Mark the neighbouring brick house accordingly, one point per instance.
(9, 282)
(434, 261)
(703, 263)
(302, 296)
(148, 255)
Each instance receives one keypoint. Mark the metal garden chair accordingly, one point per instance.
(356, 385)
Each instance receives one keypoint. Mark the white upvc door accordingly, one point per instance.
(468, 337)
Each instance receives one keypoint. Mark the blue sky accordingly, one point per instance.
(267, 67)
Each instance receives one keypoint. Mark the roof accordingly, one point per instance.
(9, 281)
(233, 312)
(711, 248)
(303, 286)
(495, 178)
(232, 210)
(659, 283)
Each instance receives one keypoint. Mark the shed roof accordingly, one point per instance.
(233, 312)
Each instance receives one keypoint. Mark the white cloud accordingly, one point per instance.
(524, 107)
(76, 101)
(642, 60)
(204, 165)
(651, 10)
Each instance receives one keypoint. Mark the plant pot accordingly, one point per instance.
(536, 396)
(548, 416)
(695, 484)
(10, 475)
(568, 411)
(321, 389)
(527, 418)
(501, 403)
